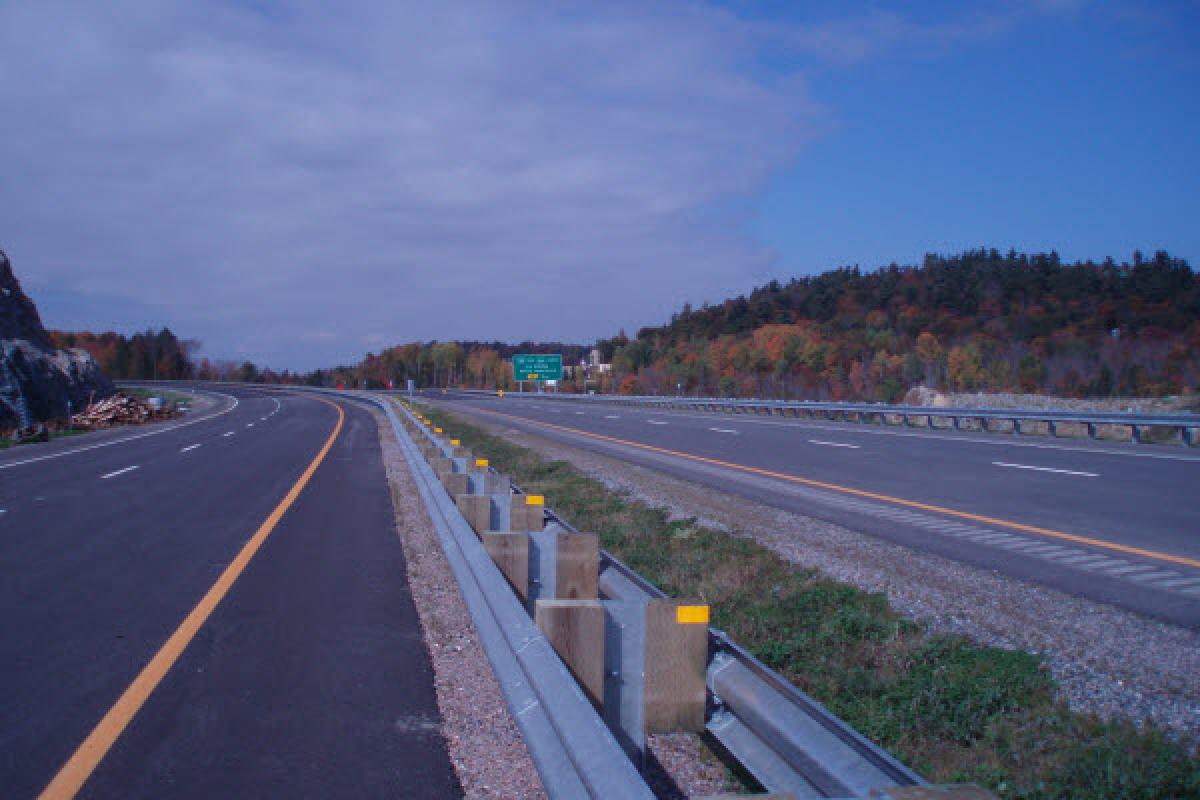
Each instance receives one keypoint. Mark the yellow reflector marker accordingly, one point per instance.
(430, 424)
(691, 615)
(437, 430)
(481, 462)
(535, 500)
(455, 442)
(501, 393)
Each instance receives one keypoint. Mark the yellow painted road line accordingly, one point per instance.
(900, 501)
(83, 762)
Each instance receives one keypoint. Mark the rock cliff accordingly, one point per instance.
(36, 380)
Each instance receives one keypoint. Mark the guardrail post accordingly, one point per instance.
(655, 656)
(1135, 433)
(477, 509)
(676, 657)
(510, 551)
(563, 565)
(575, 628)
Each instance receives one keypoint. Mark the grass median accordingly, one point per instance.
(952, 710)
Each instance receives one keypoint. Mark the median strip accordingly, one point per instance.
(953, 710)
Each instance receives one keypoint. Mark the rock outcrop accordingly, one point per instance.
(36, 380)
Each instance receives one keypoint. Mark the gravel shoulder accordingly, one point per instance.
(1106, 661)
(485, 745)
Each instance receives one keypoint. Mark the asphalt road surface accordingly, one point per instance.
(306, 678)
(1118, 523)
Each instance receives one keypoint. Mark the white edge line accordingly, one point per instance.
(128, 438)
(119, 472)
(1047, 469)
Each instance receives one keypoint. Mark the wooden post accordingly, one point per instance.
(527, 515)
(455, 483)
(575, 628)
(577, 571)
(510, 551)
(477, 508)
(676, 659)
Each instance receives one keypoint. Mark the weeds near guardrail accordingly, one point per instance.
(952, 710)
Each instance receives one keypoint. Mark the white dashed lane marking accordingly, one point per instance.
(189, 447)
(119, 472)
(834, 444)
(723, 430)
(228, 433)
(1046, 469)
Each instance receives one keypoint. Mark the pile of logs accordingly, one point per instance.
(120, 409)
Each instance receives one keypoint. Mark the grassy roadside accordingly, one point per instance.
(952, 710)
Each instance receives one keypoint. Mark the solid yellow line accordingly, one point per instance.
(83, 762)
(900, 501)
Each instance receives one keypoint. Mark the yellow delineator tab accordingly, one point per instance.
(481, 462)
(428, 423)
(455, 442)
(437, 430)
(535, 500)
(500, 393)
(691, 615)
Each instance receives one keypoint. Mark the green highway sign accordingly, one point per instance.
(537, 368)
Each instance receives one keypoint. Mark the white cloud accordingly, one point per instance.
(392, 170)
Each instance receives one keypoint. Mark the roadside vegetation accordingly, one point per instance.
(952, 710)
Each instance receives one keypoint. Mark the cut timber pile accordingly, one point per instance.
(120, 409)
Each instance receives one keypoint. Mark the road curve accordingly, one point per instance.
(308, 677)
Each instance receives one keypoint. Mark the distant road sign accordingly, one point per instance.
(537, 368)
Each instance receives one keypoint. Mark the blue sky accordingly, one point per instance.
(1074, 130)
(298, 184)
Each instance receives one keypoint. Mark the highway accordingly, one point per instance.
(212, 608)
(1111, 522)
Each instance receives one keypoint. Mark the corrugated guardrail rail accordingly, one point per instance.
(787, 740)
(1187, 426)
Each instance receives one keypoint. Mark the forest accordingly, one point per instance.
(142, 356)
(977, 321)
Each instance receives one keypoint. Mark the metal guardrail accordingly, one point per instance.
(787, 740)
(1188, 425)
(575, 753)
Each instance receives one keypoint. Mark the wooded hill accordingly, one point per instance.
(981, 320)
